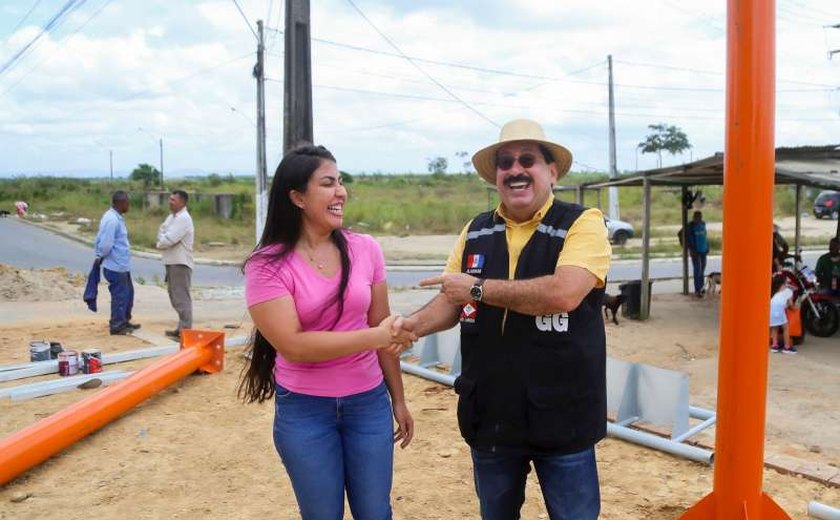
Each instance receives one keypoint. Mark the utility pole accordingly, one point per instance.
(613, 168)
(297, 96)
(261, 177)
(835, 51)
(111, 154)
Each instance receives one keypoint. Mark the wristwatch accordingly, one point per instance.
(477, 291)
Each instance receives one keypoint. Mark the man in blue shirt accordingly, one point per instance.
(698, 248)
(113, 252)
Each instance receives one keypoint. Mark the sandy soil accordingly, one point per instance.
(194, 451)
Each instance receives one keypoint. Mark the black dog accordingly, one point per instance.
(612, 303)
(4, 213)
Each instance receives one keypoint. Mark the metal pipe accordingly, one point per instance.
(54, 386)
(28, 447)
(700, 413)
(694, 431)
(660, 443)
(817, 510)
(618, 431)
(40, 368)
(433, 375)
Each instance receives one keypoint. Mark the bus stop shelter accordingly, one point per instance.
(809, 166)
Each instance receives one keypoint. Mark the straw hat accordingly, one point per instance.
(484, 160)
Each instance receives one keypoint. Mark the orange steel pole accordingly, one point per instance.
(200, 350)
(749, 169)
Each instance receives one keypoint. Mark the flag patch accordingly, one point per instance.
(475, 261)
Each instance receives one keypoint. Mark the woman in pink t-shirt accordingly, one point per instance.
(325, 344)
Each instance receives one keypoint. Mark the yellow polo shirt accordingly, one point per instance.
(587, 244)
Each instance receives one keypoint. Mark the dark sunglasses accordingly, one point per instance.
(505, 162)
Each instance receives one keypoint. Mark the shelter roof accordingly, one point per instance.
(817, 166)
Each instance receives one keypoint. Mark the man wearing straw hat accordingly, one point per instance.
(525, 281)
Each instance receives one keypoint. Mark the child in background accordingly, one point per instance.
(780, 299)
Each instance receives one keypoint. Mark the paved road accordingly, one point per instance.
(28, 246)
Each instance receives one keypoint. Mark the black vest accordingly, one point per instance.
(530, 384)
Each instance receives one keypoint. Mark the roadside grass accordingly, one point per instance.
(400, 204)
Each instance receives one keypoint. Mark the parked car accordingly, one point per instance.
(619, 231)
(827, 204)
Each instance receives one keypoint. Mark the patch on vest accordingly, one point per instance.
(475, 263)
(553, 322)
(468, 313)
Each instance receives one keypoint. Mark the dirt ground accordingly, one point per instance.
(195, 452)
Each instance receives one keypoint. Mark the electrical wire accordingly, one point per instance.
(52, 24)
(51, 56)
(563, 79)
(22, 20)
(431, 78)
(245, 18)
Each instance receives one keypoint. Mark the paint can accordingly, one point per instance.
(91, 361)
(39, 351)
(55, 348)
(68, 363)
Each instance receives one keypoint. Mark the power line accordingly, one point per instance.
(145, 92)
(270, 10)
(565, 79)
(708, 20)
(394, 76)
(711, 72)
(66, 38)
(25, 16)
(669, 114)
(432, 62)
(814, 9)
(432, 79)
(53, 23)
(245, 18)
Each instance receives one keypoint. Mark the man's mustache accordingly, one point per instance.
(519, 177)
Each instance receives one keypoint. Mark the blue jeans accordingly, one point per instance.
(122, 298)
(330, 445)
(569, 484)
(698, 262)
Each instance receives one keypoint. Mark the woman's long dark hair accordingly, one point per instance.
(283, 226)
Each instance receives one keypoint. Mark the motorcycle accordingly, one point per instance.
(820, 309)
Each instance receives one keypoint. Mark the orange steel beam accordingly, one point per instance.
(745, 305)
(200, 350)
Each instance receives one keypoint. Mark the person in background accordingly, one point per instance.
(828, 268)
(780, 249)
(113, 253)
(175, 240)
(21, 207)
(323, 345)
(781, 298)
(698, 249)
(526, 282)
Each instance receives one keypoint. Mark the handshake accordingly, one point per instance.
(400, 334)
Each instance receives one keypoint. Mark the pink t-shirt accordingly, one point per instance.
(313, 295)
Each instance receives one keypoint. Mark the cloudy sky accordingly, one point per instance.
(117, 75)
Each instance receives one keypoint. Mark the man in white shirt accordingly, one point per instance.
(175, 240)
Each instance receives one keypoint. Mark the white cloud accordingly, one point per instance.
(171, 68)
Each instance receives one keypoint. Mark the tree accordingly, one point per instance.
(664, 137)
(146, 173)
(437, 166)
(466, 164)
